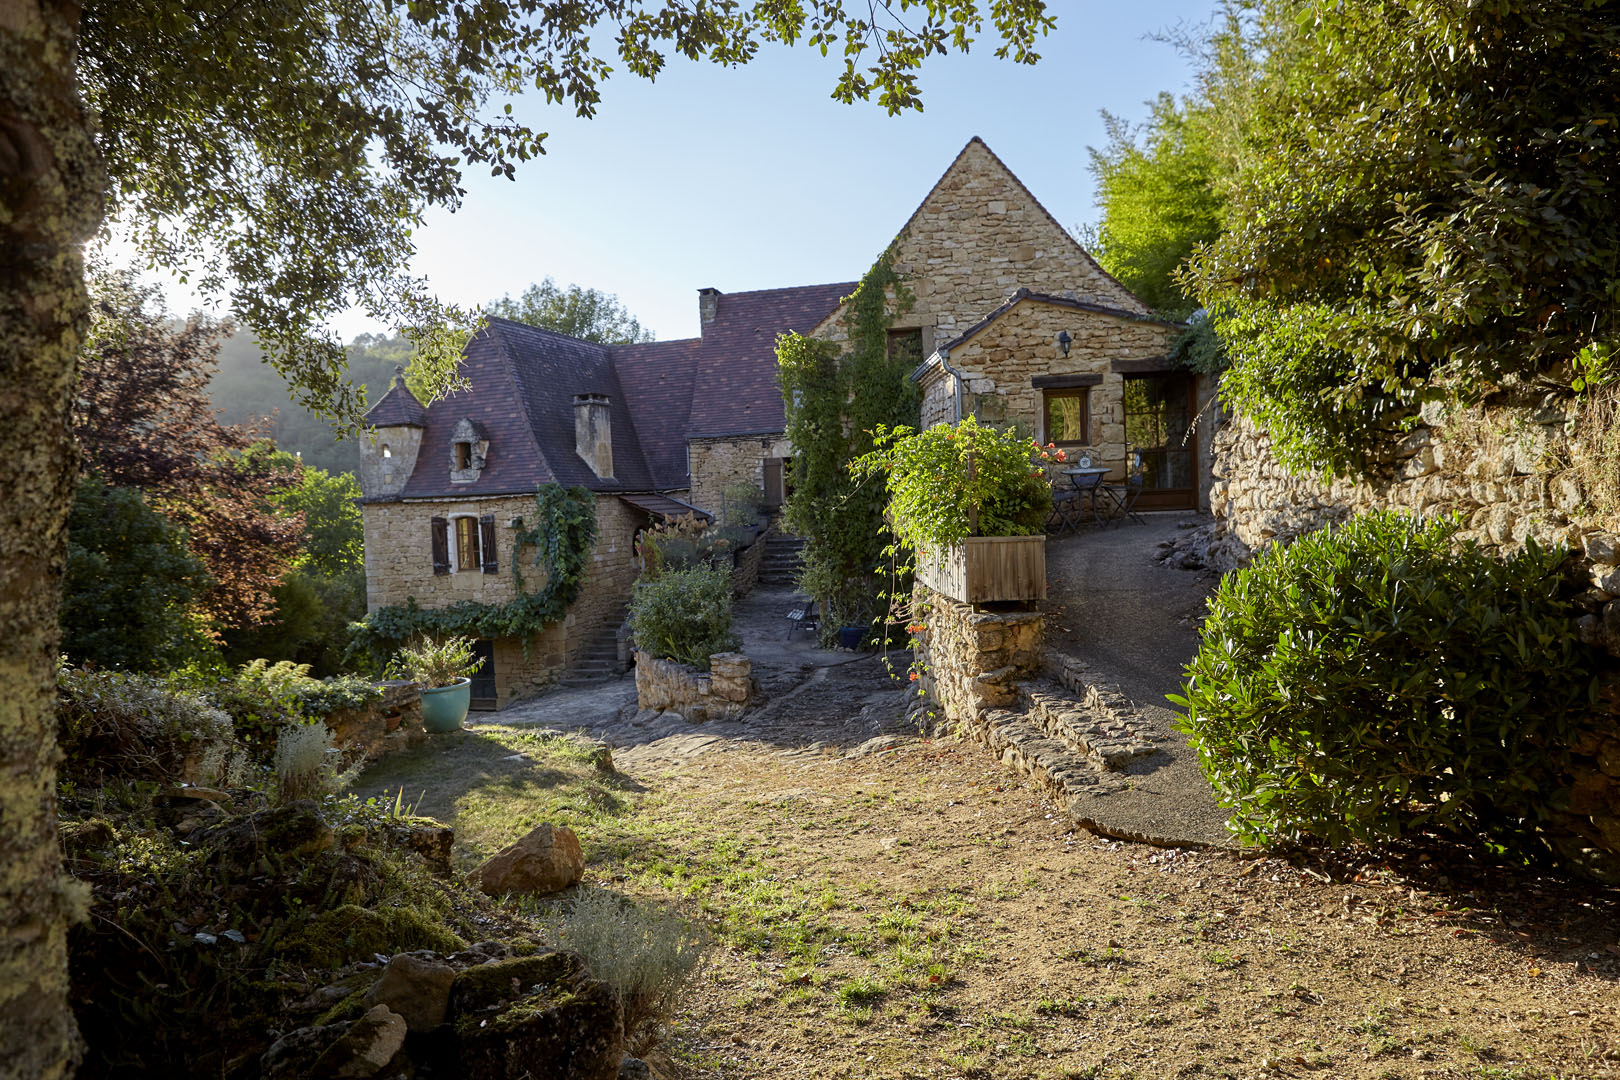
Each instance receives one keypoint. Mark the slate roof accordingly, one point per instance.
(738, 392)
(522, 382)
(398, 407)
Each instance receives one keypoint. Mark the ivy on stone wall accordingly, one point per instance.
(562, 536)
(835, 398)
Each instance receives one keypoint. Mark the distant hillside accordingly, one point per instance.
(246, 390)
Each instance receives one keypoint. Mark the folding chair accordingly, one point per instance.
(1065, 515)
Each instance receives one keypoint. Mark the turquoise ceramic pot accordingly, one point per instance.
(445, 707)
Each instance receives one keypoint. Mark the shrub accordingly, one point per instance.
(112, 724)
(742, 504)
(646, 956)
(305, 762)
(958, 480)
(436, 663)
(684, 615)
(1373, 680)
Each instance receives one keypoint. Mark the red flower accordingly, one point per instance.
(914, 676)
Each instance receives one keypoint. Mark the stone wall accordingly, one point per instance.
(977, 238)
(998, 365)
(721, 693)
(1506, 470)
(718, 463)
(745, 569)
(392, 722)
(970, 661)
(399, 565)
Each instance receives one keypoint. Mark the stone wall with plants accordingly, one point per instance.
(721, 693)
(717, 464)
(392, 721)
(969, 661)
(1523, 465)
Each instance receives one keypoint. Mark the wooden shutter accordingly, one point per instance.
(441, 546)
(486, 543)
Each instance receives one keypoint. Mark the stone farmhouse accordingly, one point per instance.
(1012, 321)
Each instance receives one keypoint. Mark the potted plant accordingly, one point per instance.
(972, 502)
(443, 669)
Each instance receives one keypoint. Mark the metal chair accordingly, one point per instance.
(1065, 515)
(1124, 496)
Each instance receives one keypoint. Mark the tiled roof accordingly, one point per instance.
(736, 391)
(656, 378)
(397, 408)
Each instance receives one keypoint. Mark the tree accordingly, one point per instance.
(581, 313)
(143, 420)
(130, 583)
(1421, 204)
(291, 147)
(1158, 202)
(324, 590)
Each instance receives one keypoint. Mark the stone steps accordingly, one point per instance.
(598, 660)
(781, 561)
(1096, 724)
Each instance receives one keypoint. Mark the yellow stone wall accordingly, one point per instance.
(717, 463)
(976, 239)
(399, 565)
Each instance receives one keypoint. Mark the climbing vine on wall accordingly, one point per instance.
(562, 537)
(835, 399)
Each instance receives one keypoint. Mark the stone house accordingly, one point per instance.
(1012, 320)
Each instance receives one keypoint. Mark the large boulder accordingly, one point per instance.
(547, 860)
(540, 1017)
(417, 987)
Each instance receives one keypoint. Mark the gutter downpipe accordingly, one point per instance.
(956, 379)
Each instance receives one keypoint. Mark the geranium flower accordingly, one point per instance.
(914, 676)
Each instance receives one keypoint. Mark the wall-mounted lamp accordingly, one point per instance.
(1063, 341)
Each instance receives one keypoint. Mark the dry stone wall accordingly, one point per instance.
(970, 661)
(377, 728)
(721, 693)
(1505, 470)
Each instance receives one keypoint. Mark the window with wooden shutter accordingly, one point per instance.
(466, 553)
(441, 546)
(486, 536)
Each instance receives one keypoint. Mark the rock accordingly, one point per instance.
(416, 988)
(633, 1068)
(432, 840)
(539, 1017)
(547, 860)
(365, 1048)
(1603, 548)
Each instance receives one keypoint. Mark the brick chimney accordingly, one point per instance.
(708, 307)
(593, 433)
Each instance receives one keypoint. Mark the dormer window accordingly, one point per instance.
(468, 451)
(387, 453)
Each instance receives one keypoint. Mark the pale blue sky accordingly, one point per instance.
(754, 178)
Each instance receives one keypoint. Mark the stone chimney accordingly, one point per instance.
(708, 307)
(593, 433)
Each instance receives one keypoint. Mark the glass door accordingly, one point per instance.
(1159, 411)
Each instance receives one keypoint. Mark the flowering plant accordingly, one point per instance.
(958, 480)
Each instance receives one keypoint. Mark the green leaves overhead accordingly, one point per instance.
(1419, 202)
(284, 151)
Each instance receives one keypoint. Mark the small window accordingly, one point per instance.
(906, 345)
(467, 555)
(387, 453)
(1066, 416)
(463, 455)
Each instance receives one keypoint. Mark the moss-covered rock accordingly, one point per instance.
(539, 1017)
(350, 932)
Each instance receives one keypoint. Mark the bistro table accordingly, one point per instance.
(1088, 482)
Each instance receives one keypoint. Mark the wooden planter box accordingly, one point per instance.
(986, 569)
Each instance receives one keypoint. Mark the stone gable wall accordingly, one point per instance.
(976, 239)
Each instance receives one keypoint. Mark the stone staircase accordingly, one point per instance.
(782, 561)
(1070, 732)
(598, 661)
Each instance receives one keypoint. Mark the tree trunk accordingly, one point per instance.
(51, 185)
